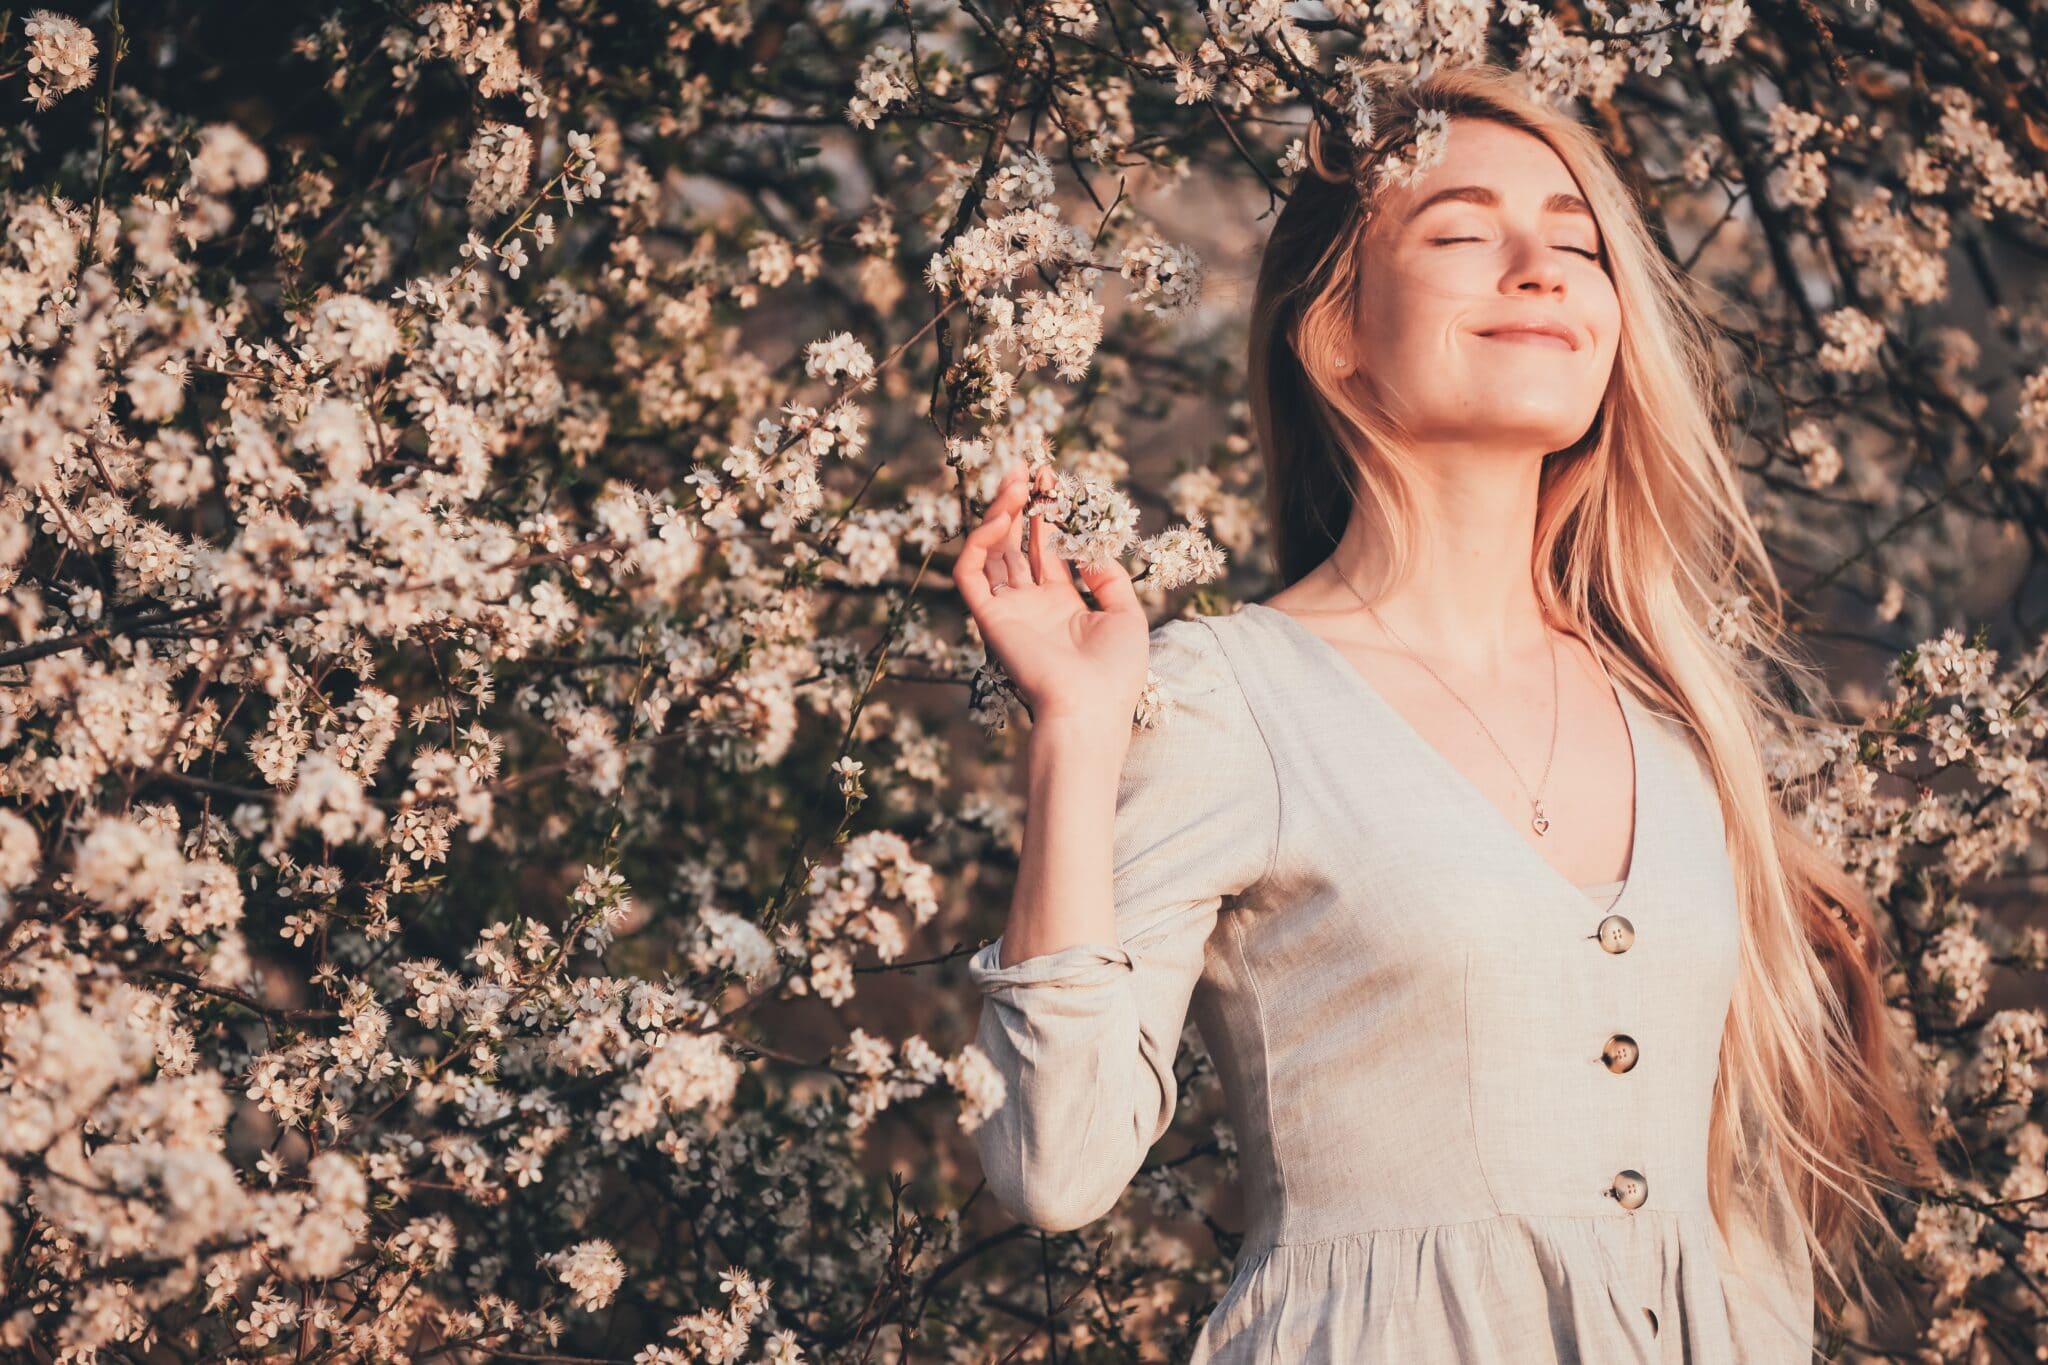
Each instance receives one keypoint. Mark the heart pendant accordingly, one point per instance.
(1542, 822)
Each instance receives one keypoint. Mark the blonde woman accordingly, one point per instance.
(1545, 1034)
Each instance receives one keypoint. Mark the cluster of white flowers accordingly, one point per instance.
(839, 355)
(1950, 664)
(1165, 278)
(1820, 463)
(1853, 338)
(1900, 254)
(591, 1270)
(887, 1074)
(1431, 141)
(851, 902)
(352, 333)
(227, 159)
(1179, 556)
(1088, 519)
(715, 1334)
(500, 160)
(885, 79)
(60, 56)
(2033, 404)
(1944, 1242)
(1982, 159)
(1954, 963)
(1719, 24)
(992, 254)
(1023, 180)
(1731, 623)
(1801, 178)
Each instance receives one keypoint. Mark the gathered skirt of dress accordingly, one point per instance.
(1531, 1291)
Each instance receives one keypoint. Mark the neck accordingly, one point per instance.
(1469, 602)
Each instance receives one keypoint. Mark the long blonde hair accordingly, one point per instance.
(1641, 536)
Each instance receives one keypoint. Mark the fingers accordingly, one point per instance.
(1053, 570)
(1016, 559)
(1015, 565)
(1037, 562)
(982, 561)
(1034, 528)
(1008, 551)
(1110, 584)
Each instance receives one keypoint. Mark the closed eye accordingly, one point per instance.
(1575, 250)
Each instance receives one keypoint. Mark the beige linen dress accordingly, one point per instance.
(1408, 1008)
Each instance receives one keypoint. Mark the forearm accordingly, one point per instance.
(1063, 890)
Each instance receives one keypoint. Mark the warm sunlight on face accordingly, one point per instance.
(1465, 271)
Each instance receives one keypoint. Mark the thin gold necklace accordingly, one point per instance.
(1537, 818)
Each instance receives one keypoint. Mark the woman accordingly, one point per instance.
(1545, 1033)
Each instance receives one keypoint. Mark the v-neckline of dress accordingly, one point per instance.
(1465, 788)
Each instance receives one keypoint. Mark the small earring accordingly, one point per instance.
(1343, 362)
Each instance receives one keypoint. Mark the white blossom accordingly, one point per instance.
(60, 56)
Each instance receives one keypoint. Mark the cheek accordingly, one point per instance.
(1413, 315)
(1384, 334)
(1606, 318)
(1403, 354)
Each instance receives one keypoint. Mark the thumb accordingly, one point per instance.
(1110, 584)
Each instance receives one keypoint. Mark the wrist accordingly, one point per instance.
(1091, 731)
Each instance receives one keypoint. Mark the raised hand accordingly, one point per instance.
(1067, 660)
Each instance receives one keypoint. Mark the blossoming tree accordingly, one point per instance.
(495, 787)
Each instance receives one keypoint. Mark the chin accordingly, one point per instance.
(1538, 432)
(1484, 412)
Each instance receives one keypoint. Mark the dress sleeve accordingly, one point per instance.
(1085, 1037)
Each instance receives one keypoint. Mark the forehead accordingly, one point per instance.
(1490, 163)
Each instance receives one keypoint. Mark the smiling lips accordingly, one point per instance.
(1535, 334)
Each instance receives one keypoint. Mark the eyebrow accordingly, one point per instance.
(1561, 202)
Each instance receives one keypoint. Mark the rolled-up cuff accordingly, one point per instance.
(1078, 966)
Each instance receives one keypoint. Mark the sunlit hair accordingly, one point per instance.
(1641, 532)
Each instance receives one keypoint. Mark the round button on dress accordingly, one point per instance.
(1620, 1054)
(1630, 1189)
(1616, 934)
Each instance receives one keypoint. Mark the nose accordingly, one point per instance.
(1532, 267)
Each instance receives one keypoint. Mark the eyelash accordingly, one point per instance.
(1575, 250)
